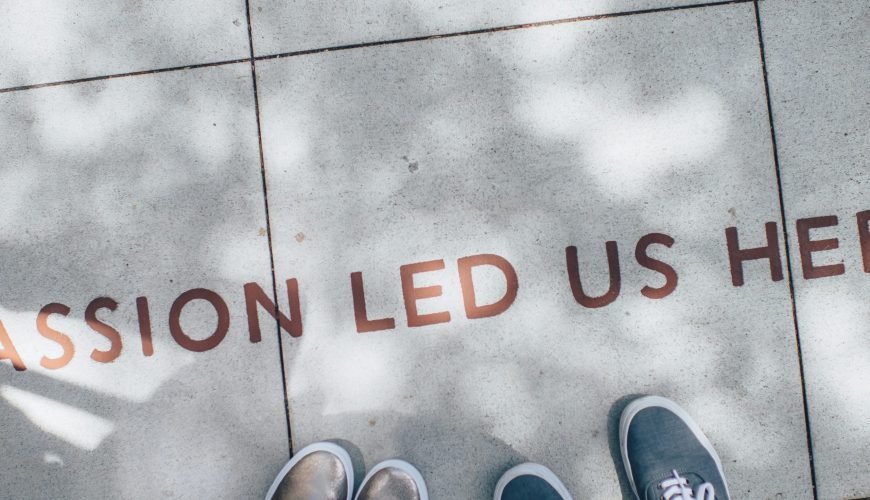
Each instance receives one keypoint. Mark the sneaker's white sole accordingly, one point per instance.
(530, 469)
(657, 401)
(332, 448)
(402, 466)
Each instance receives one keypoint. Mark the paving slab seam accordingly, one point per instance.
(282, 55)
(275, 312)
(787, 250)
(512, 27)
(123, 75)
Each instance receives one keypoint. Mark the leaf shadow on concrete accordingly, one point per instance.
(523, 143)
(142, 186)
(602, 131)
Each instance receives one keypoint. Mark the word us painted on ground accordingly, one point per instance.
(256, 298)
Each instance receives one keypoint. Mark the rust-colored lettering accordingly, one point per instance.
(736, 255)
(466, 280)
(807, 246)
(103, 329)
(363, 323)
(254, 295)
(412, 295)
(54, 335)
(656, 265)
(7, 350)
(144, 325)
(577, 287)
(223, 324)
(864, 237)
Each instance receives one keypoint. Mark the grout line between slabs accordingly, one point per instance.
(269, 230)
(123, 75)
(787, 250)
(511, 27)
(371, 44)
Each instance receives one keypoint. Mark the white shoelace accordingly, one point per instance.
(677, 488)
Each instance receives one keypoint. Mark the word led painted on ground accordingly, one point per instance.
(256, 298)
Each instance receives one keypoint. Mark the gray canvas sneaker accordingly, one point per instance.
(393, 480)
(530, 481)
(320, 471)
(666, 456)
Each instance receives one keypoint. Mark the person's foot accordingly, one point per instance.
(393, 480)
(320, 471)
(530, 482)
(666, 455)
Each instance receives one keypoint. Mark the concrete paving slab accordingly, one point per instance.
(818, 60)
(53, 40)
(280, 26)
(524, 144)
(147, 186)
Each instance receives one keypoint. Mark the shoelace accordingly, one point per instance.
(678, 488)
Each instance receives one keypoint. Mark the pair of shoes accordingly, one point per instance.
(323, 471)
(663, 450)
(664, 453)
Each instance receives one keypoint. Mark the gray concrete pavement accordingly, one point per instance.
(526, 142)
(384, 169)
(52, 40)
(818, 58)
(136, 187)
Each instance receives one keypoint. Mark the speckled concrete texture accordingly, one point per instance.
(52, 40)
(433, 176)
(136, 187)
(522, 143)
(281, 26)
(818, 59)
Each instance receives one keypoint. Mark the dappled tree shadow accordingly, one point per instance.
(145, 186)
(518, 143)
(521, 143)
